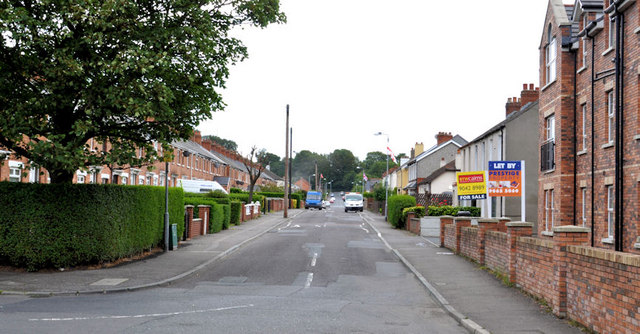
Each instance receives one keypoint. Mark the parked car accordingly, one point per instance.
(332, 199)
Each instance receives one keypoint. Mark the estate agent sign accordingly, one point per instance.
(505, 178)
(471, 185)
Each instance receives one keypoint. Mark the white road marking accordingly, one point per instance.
(444, 253)
(318, 225)
(364, 228)
(153, 315)
(309, 279)
(313, 259)
(288, 224)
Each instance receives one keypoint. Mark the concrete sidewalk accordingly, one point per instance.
(477, 299)
(190, 256)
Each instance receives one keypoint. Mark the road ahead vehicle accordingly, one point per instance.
(353, 202)
(314, 200)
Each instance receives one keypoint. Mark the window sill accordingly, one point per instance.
(636, 137)
(547, 233)
(607, 145)
(581, 69)
(547, 85)
(637, 31)
(583, 152)
(607, 51)
(607, 241)
(549, 171)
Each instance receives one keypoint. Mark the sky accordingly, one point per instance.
(352, 68)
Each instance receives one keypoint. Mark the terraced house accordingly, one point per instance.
(589, 121)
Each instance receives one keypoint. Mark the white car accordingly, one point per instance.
(326, 204)
(353, 202)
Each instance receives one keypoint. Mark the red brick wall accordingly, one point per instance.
(535, 266)
(496, 252)
(469, 242)
(450, 236)
(195, 227)
(603, 289)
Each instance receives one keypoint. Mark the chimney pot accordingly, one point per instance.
(530, 86)
(524, 86)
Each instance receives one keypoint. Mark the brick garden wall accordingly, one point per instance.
(496, 254)
(469, 242)
(535, 266)
(596, 287)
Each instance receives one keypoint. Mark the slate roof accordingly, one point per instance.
(450, 167)
(195, 148)
(457, 140)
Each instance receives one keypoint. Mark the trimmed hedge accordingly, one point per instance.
(245, 197)
(420, 211)
(448, 210)
(226, 215)
(395, 206)
(236, 213)
(217, 218)
(64, 225)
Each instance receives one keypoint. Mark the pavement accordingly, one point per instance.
(471, 295)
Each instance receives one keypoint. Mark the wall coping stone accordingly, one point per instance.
(446, 216)
(519, 224)
(204, 206)
(188, 206)
(197, 219)
(462, 218)
(504, 218)
(536, 242)
(570, 229)
(488, 220)
(606, 254)
(498, 234)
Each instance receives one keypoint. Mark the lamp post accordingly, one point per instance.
(386, 190)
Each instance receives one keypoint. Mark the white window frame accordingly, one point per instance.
(550, 128)
(81, 179)
(549, 210)
(610, 116)
(584, 127)
(15, 174)
(611, 33)
(610, 218)
(584, 53)
(551, 60)
(584, 207)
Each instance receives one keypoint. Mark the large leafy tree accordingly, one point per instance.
(343, 167)
(226, 143)
(130, 73)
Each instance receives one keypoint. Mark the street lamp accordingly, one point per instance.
(386, 190)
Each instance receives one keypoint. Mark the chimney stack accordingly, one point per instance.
(197, 137)
(513, 105)
(443, 137)
(529, 95)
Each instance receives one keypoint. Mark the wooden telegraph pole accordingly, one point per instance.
(286, 168)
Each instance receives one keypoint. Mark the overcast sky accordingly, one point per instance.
(408, 68)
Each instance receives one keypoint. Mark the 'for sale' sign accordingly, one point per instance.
(471, 185)
(505, 178)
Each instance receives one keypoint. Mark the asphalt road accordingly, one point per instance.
(325, 272)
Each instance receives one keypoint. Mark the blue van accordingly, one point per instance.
(314, 200)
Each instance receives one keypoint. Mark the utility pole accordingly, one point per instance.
(290, 159)
(316, 180)
(286, 167)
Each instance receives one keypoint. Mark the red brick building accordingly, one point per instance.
(195, 159)
(589, 121)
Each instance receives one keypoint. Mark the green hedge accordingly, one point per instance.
(271, 194)
(63, 225)
(395, 206)
(448, 210)
(236, 213)
(217, 218)
(420, 211)
(245, 197)
(226, 215)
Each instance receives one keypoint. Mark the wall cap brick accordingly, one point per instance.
(519, 224)
(570, 229)
(504, 218)
(488, 220)
(195, 220)
(607, 255)
(498, 234)
(204, 206)
(448, 217)
(188, 206)
(536, 242)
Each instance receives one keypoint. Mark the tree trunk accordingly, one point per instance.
(251, 192)
(61, 176)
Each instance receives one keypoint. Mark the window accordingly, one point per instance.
(610, 219)
(550, 128)
(548, 210)
(584, 127)
(610, 116)
(80, 178)
(584, 207)
(551, 51)
(584, 52)
(612, 33)
(14, 174)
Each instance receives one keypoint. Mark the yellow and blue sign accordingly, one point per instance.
(471, 185)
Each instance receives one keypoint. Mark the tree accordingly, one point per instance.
(226, 143)
(343, 168)
(131, 73)
(255, 168)
(276, 165)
